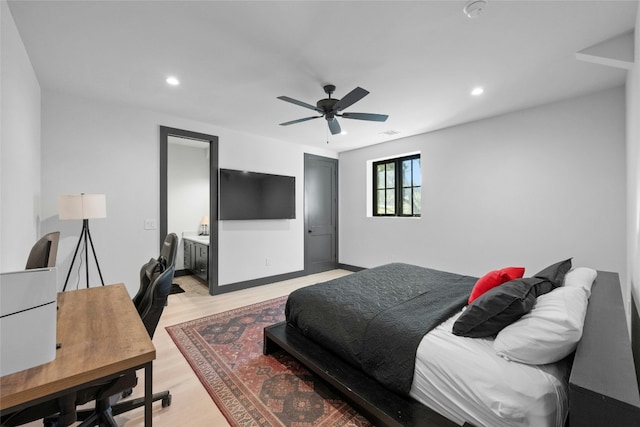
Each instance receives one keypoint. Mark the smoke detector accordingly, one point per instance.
(474, 8)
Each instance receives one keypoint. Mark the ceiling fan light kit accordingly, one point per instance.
(331, 108)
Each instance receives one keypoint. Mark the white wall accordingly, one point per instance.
(253, 241)
(101, 147)
(19, 148)
(633, 174)
(187, 191)
(528, 188)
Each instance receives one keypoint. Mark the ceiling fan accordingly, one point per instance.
(330, 108)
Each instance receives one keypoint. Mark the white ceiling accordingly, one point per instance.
(419, 59)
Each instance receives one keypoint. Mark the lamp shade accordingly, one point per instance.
(204, 220)
(82, 206)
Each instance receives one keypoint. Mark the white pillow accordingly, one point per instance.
(581, 277)
(549, 332)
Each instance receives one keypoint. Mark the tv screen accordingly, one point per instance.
(252, 195)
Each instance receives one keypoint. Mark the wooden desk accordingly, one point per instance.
(101, 336)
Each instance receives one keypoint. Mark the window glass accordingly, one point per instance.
(407, 173)
(391, 175)
(380, 171)
(381, 201)
(417, 201)
(391, 202)
(417, 177)
(407, 200)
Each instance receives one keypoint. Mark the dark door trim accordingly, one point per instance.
(165, 132)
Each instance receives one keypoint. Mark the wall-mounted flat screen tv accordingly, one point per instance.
(253, 195)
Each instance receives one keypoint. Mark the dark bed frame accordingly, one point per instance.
(603, 386)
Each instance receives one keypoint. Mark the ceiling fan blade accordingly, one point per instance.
(366, 116)
(300, 103)
(334, 126)
(299, 120)
(351, 98)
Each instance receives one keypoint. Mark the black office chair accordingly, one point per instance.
(156, 278)
(44, 252)
(152, 297)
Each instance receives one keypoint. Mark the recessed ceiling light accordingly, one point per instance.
(477, 91)
(344, 132)
(173, 81)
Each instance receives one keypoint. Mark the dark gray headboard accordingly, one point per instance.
(603, 387)
(635, 335)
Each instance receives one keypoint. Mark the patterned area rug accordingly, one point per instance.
(225, 351)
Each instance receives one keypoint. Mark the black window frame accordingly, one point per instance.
(398, 186)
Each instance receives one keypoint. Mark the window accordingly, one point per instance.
(397, 186)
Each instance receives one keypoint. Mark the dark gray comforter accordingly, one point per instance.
(376, 318)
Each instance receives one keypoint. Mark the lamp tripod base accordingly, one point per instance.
(86, 236)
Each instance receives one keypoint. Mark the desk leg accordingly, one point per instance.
(148, 393)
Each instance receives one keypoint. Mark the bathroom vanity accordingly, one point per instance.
(196, 255)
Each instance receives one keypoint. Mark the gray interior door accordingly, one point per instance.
(320, 213)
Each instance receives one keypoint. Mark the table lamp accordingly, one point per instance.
(204, 225)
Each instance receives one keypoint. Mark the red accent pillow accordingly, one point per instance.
(495, 278)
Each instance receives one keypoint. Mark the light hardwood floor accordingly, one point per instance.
(191, 404)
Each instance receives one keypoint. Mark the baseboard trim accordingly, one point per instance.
(180, 273)
(350, 267)
(223, 289)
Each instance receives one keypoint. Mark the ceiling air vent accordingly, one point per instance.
(474, 8)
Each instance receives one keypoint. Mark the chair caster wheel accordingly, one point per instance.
(166, 401)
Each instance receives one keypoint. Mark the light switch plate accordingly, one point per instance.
(150, 224)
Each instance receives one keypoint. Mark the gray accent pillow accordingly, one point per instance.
(555, 273)
(504, 304)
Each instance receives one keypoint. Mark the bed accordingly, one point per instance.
(376, 363)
